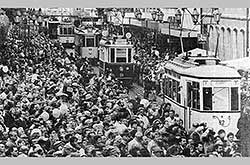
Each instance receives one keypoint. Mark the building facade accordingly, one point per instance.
(230, 36)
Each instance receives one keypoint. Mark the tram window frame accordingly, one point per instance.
(87, 39)
(121, 58)
(234, 101)
(83, 41)
(129, 55)
(178, 93)
(112, 55)
(208, 100)
(61, 30)
(70, 30)
(196, 95)
(189, 94)
(65, 31)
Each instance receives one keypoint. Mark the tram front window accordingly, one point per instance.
(207, 98)
(234, 99)
(221, 98)
(90, 42)
(121, 55)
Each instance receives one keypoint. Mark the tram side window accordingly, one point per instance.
(65, 31)
(90, 42)
(97, 39)
(189, 89)
(207, 98)
(83, 41)
(178, 93)
(61, 30)
(234, 99)
(112, 55)
(196, 95)
(70, 30)
(129, 55)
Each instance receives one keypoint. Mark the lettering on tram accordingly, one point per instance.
(201, 89)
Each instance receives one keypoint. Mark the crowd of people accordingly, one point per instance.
(53, 105)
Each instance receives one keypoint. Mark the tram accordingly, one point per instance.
(53, 24)
(87, 42)
(116, 56)
(202, 90)
(66, 35)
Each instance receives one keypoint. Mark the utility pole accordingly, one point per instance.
(247, 30)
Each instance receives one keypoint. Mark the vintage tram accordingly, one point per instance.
(201, 90)
(66, 35)
(87, 42)
(116, 56)
(52, 25)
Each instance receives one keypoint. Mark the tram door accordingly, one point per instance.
(221, 98)
(187, 112)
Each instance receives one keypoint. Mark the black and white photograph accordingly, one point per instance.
(124, 82)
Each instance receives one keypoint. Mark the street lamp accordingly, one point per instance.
(123, 13)
(138, 14)
(178, 16)
(160, 15)
(195, 16)
(153, 14)
(217, 15)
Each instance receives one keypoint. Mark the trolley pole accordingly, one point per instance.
(247, 30)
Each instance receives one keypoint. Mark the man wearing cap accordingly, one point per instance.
(136, 142)
(244, 131)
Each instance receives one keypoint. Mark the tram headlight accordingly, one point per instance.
(121, 75)
(121, 68)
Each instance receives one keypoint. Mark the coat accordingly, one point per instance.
(243, 126)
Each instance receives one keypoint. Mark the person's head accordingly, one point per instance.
(168, 106)
(199, 147)
(171, 113)
(2, 148)
(219, 148)
(222, 133)
(13, 135)
(230, 137)
(157, 151)
(14, 152)
(183, 141)
(138, 136)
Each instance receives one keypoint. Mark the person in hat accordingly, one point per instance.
(136, 142)
(244, 132)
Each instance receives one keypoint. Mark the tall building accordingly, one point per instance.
(231, 36)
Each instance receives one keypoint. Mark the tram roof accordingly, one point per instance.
(85, 31)
(212, 72)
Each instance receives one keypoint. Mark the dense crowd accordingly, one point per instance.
(53, 105)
